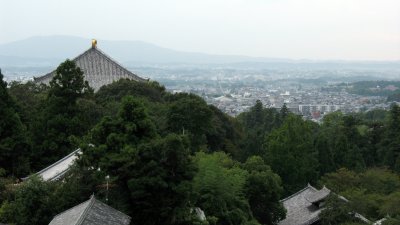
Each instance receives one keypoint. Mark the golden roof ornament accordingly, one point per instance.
(94, 43)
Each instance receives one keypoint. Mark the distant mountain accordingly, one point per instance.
(42, 51)
(48, 49)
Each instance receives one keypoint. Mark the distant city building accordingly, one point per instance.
(91, 212)
(309, 109)
(98, 68)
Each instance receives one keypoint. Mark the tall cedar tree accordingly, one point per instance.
(257, 123)
(390, 147)
(152, 173)
(291, 148)
(60, 120)
(14, 148)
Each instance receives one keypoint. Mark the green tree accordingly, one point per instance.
(291, 148)
(263, 191)
(32, 204)
(154, 172)
(257, 123)
(325, 156)
(225, 134)
(160, 184)
(345, 145)
(219, 189)
(190, 115)
(60, 120)
(115, 91)
(391, 205)
(30, 98)
(372, 193)
(389, 151)
(14, 147)
(337, 211)
(68, 83)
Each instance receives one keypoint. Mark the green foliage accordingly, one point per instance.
(337, 211)
(159, 183)
(218, 188)
(391, 204)
(340, 143)
(150, 142)
(290, 148)
(374, 88)
(392, 221)
(257, 123)
(263, 191)
(190, 115)
(32, 204)
(152, 91)
(14, 146)
(61, 118)
(154, 172)
(30, 99)
(375, 115)
(373, 193)
(224, 134)
(69, 83)
(389, 151)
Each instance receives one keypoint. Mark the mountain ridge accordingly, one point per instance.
(51, 50)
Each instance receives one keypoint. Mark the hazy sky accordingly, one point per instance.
(312, 29)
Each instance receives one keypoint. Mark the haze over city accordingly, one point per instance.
(308, 29)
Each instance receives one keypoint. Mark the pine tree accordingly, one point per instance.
(14, 147)
(60, 119)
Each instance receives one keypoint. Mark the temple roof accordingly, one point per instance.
(91, 212)
(99, 69)
(59, 168)
(300, 211)
(303, 208)
(319, 195)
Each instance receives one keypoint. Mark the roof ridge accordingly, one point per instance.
(85, 212)
(70, 209)
(292, 195)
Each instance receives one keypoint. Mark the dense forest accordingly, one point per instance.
(165, 154)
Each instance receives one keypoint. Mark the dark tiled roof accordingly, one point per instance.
(319, 195)
(99, 69)
(300, 211)
(91, 212)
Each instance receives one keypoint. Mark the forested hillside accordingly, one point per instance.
(163, 155)
(374, 88)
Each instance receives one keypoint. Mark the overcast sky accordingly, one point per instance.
(298, 29)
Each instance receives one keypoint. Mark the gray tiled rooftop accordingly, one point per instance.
(300, 211)
(91, 212)
(99, 69)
